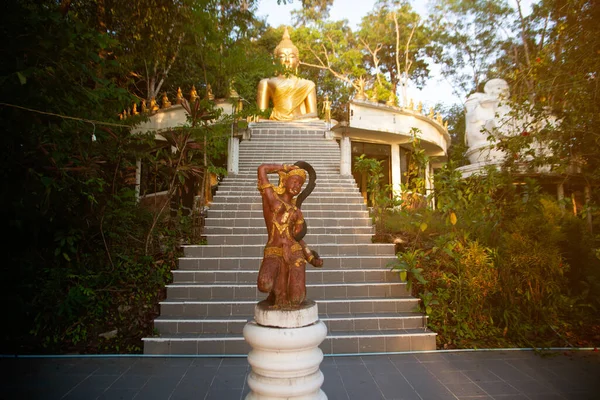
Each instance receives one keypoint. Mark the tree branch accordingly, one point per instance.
(338, 75)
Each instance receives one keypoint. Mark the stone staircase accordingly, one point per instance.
(364, 305)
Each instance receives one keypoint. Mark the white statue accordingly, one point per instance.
(489, 118)
(487, 113)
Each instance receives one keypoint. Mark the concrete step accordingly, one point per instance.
(333, 168)
(316, 164)
(253, 263)
(283, 136)
(256, 250)
(335, 343)
(255, 197)
(311, 150)
(288, 136)
(318, 191)
(232, 240)
(262, 230)
(251, 176)
(257, 206)
(321, 183)
(224, 308)
(305, 151)
(312, 276)
(308, 214)
(314, 222)
(314, 291)
(289, 159)
(335, 323)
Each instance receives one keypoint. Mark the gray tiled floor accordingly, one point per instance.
(501, 375)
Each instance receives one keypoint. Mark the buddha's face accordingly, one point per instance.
(288, 58)
(497, 88)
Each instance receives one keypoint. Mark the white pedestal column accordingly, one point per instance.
(285, 355)
(233, 155)
(345, 156)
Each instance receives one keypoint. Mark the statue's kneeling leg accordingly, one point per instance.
(280, 285)
(297, 282)
(269, 269)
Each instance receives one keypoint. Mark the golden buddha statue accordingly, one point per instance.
(179, 99)
(233, 94)
(209, 93)
(134, 110)
(193, 94)
(293, 98)
(144, 107)
(360, 82)
(153, 105)
(165, 101)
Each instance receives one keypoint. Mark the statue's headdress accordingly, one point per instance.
(283, 177)
(286, 43)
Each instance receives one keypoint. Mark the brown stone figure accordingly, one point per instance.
(282, 272)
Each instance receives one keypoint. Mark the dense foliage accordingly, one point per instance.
(498, 265)
(85, 265)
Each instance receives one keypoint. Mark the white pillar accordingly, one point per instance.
(285, 355)
(429, 184)
(345, 156)
(233, 155)
(396, 170)
(138, 178)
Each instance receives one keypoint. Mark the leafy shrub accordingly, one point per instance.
(499, 265)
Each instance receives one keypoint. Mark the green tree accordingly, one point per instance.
(553, 74)
(330, 51)
(471, 33)
(395, 45)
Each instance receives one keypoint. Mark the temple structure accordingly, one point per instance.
(363, 305)
(385, 132)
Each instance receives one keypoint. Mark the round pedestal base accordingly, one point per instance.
(285, 361)
(306, 314)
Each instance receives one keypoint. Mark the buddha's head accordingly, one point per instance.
(497, 88)
(286, 53)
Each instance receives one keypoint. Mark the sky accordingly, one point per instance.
(437, 90)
